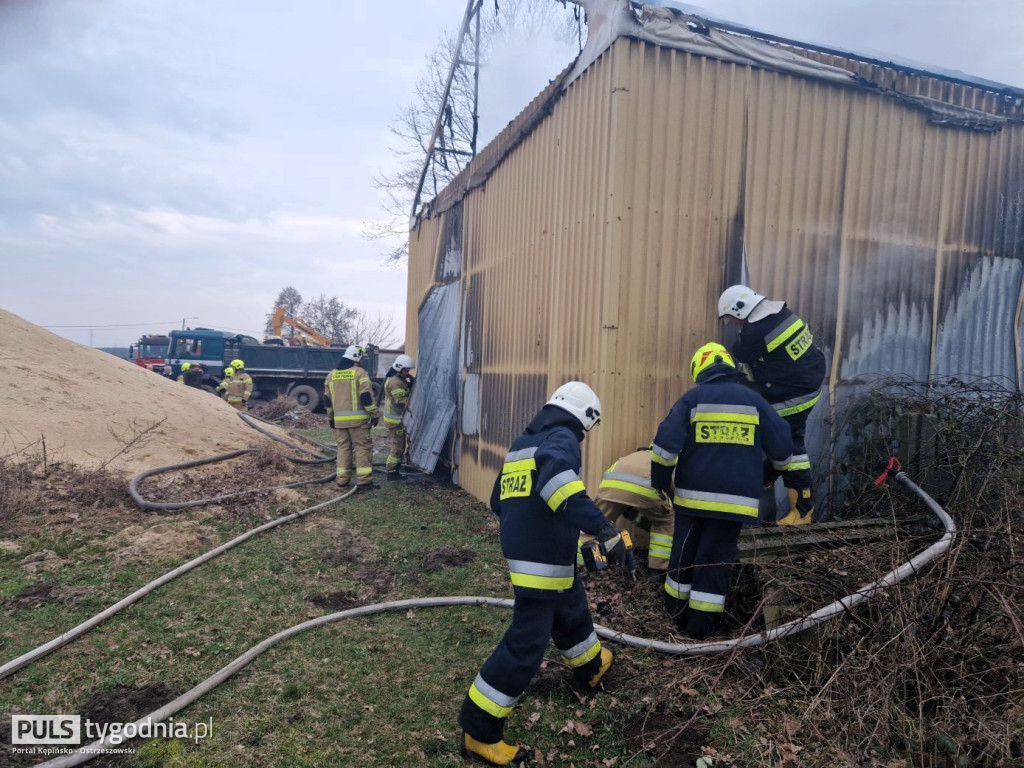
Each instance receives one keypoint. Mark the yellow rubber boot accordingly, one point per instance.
(499, 753)
(794, 517)
(607, 659)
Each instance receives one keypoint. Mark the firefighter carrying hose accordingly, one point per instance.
(352, 410)
(397, 389)
(712, 442)
(788, 370)
(628, 501)
(542, 506)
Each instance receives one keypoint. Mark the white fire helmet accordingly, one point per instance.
(353, 353)
(579, 400)
(738, 301)
(403, 363)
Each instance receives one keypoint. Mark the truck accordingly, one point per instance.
(297, 372)
(150, 352)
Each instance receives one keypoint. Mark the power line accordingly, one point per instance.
(119, 325)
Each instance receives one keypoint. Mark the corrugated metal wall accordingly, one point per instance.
(598, 246)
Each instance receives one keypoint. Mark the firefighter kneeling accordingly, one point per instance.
(542, 505)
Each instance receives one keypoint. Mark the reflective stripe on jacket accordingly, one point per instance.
(631, 474)
(718, 431)
(343, 388)
(542, 505)
(247, 384)
(786, 367)
(396, 399)
(235, 389)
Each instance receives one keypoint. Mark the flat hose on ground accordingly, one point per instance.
(837, 608)
(133, 486)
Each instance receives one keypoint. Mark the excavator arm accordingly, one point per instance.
(306, 333)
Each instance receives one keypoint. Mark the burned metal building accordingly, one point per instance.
(678, 155)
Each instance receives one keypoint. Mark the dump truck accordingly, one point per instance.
(297, 372)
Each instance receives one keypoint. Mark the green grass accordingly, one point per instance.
(381, 690)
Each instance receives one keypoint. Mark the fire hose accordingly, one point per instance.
(837, 608)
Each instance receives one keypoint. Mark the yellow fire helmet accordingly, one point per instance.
(708, 355)
(237, 364)
(185, 366)
(229, 371)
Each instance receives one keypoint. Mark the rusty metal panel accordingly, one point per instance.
(597, 244)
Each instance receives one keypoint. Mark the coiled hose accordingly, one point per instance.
(819, 616)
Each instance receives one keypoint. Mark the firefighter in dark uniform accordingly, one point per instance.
(542, 506)
(712, 441)
(788, 370)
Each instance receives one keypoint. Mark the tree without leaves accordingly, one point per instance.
(291, 300)
(414, 124)
(330, 316)
(379, 331)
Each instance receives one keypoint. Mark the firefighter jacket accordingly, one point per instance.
(350, 394)
(246, 389)
(787, 368)
(222, 388)
(714, 437)
(396, 398)
(236, 389)
(629, 475)
(542, 504)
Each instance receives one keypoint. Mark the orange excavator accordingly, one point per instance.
(305, 334)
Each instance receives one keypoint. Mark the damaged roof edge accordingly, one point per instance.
(891, 62)
(684, 27)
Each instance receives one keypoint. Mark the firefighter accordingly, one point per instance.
(352, 409)
(240, 375)
(542, 505)
(397, 389)
(234, 392)
(712, 442)
(184, 370)
(628, 501)
(787, 370)
(223, 386)
(193, 373)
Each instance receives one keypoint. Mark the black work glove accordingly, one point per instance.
(613, 546)
(661, 479)
(374, 420)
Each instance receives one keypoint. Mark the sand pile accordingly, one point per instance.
(88, 405)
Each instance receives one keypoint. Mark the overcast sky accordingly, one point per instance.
(181, 159)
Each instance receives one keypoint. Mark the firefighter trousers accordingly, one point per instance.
(563, 618)
(396, 440)
(703, 553)
(355, 443)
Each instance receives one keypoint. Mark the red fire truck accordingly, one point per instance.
(150, 352)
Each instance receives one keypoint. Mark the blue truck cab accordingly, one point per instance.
(297, 372)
